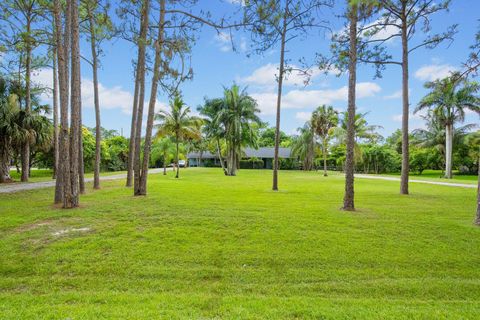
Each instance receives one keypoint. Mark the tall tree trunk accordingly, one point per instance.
(153, 99)
(28, 104)
(325, 157)
(5, 160)
(406, 105)
(220, 157)
(75, 108)
(141, 97)
(349, 197)
(139, 78)
(448, 150)
(98, 133)
(279, 100)
(81, 167)
(165, 164)
(63, 191)
(55, 115)
(176, 161)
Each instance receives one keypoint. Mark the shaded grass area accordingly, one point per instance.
(208, 246)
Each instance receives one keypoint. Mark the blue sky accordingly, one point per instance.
(215, 65)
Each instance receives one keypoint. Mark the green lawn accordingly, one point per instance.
(208, 246)
(436, 175)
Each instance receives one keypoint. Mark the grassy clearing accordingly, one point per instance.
(208, 246)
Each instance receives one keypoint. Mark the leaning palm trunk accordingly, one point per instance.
(448, 150)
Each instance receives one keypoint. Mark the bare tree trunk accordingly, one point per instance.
(165, 164)
(28, 105)
(141, 97)
(279, 101)
(55, 114)
(349, 197)
(139, 78)
(406, 106)
(176, 160)
(81, 167)
(153, 99)
(98, 133)
(62, 185)
(75, 108)
(448, 150)
(220, 157)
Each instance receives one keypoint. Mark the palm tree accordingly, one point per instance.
(448, 99)
(237, 117)
(166, 148)
(324, 120)
(434, 134)
(213, 130)
(178, 124)
(304, 146)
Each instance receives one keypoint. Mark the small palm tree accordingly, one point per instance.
(237, 118)
(178, 124)
(324, 120)
(166, 148)
(304, 146)
(449, 99)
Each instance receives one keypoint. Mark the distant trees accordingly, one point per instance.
(179, 125)
(448, 101)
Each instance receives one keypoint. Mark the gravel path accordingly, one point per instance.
(16, 187)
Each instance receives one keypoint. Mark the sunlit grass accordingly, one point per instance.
(207, 246)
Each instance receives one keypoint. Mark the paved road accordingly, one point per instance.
(448, 184)
(15, 187)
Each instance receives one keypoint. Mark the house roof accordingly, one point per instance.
(263, 152)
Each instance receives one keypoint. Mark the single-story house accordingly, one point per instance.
(195, 159)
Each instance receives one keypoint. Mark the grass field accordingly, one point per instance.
(437, 175)
(208, 246)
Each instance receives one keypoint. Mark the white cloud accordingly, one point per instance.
(304, 116)
(396, 95)
(267, 76)
(110, 97)
(434, 72)
(224, 41)
(301, 99)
